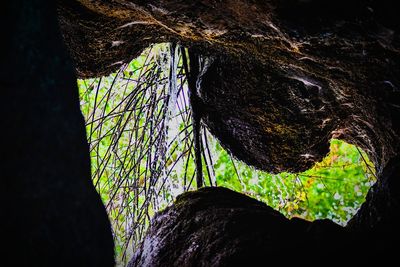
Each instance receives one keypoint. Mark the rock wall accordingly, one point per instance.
(51, 213)
(219, 227)
(284, 77)
(290, 74)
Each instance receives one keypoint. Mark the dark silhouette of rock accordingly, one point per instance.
(290, 74)
(51, 213)
(283, 78)
(378, 216)
(218, 227)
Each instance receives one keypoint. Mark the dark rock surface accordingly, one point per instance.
(218, 227)
(378, 217)
(290, 74)
(51, 214)
(291, 104)
(284, 77)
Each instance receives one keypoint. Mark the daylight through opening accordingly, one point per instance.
(139, 127)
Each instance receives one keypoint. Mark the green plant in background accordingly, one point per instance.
(139, 128)
(334, 188)
(138, 125)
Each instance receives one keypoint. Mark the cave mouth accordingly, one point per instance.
(139, 127)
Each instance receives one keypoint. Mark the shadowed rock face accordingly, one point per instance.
(51, 213)
(338, 80)
(285, 77)
(378, 217)
(219, 227)
(282, 78)
(246, 97)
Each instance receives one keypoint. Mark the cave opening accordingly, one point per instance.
(139, 127)
(276, 85)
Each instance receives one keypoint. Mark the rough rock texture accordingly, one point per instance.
(284, 77)
(336, 84)
(219, 227)
(51, 213)
(290, 74)
(102, 34)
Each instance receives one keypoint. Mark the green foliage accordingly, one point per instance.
(141, 147)
(140, 143)
(334, 188)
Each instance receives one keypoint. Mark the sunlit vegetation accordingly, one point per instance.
(334, 188)
(139, 129)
